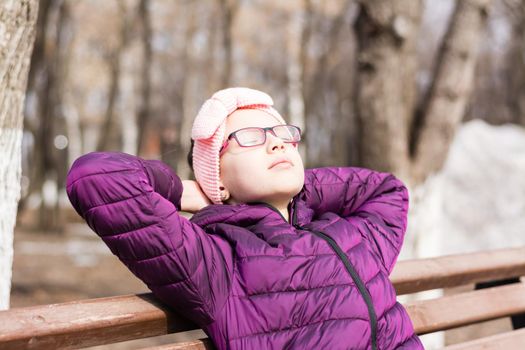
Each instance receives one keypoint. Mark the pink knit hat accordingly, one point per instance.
(209, 129)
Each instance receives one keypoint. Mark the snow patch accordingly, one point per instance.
(477, 201)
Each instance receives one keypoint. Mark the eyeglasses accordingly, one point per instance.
(253, 136)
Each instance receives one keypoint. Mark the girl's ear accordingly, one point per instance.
(225, 194)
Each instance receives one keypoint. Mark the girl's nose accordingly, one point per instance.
(274, 143)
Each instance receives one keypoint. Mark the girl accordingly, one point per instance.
(283, 259)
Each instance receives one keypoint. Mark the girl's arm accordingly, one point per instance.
(375, 203)
(133, 204)
(193, 199)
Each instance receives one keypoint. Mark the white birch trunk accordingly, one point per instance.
(17, 32)
(10, 173)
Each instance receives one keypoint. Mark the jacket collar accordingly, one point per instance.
(248, 214)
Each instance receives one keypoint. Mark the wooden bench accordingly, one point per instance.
(109, 320)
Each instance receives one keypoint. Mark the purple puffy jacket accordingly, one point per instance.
(249, 278)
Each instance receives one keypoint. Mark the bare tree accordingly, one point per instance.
(228, 11)
(443, 106)
(397, 135)
(514, 70)
(143, 114)
(46, 83)
(385, 91)
(17, 20)
(325, 36)
(31, 120)
(174, 88)
(110, 137)
(294, 73)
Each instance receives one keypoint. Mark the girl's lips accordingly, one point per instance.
(281, 161)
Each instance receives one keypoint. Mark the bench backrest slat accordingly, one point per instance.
(109, 320)
(88, 323)
(507, 340)
(467, 308)
(202, 344)
(412, 276)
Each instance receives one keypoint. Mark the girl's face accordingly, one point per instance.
(247, 172)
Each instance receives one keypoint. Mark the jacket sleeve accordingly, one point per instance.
(375, 203)
(133, 204)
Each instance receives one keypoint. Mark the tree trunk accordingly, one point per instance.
(306, 35)
(110, 137)
(396, 135)
(228, 11)
(323, 39)
(32, 120)
(65, 33)
(385, 92)
(187, 86)
(147, 55)
(294, 77)
(48, 161)
(443, 107)
(17, 23)
(514, 71)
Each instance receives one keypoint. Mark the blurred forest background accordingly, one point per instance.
(383, 84)
(130, 75)
(371, 85)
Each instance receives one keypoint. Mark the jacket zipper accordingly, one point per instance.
(357, 280)
(349, 267)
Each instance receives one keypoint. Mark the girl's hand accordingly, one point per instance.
(193, 199)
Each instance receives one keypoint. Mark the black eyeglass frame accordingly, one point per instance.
(265, 130)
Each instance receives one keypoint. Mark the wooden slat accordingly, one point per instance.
(108, 320)
(88, 323)
(412, 276)
(201, 344)
(507, 340)
(466, 308)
